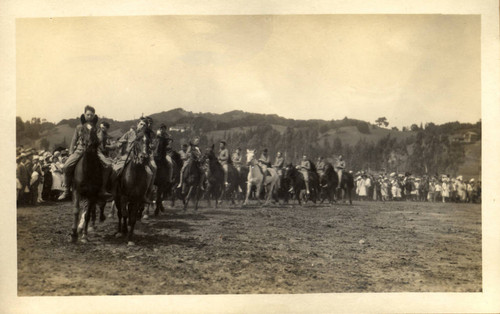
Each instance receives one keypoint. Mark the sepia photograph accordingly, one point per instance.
(265, 154)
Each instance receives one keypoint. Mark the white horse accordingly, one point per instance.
(256, 177)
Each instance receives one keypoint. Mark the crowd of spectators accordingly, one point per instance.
(39, 175)
(397, 187)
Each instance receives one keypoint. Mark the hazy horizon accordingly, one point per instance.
(408, 68)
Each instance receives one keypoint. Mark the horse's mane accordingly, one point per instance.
(176, 157)
(89, 139)
(313, 166)
(328, 168)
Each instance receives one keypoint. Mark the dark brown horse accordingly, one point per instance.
(162, 181)
(328, 182)
(346, 186)
(131, 188)
(87, 180)
(177, 163)
(216, 187)
(296, 179)
(191, 182)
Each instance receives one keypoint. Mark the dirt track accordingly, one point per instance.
(367, 247)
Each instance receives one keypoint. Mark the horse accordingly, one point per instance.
(131, 187)
(215, 178)
(214, 174)
(328, 182)
(242, 181)
(296, 179)
(192, 179)
(162, 181)
(86, 181)
(176, 164)
(283, 187)
(256, 177)
(346, 186)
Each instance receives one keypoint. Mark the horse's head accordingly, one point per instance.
(140, 150)
(288, 171)
(250, 155)
(89, 133)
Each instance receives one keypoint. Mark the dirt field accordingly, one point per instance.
(367, 247)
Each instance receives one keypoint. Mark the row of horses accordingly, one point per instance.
(203, 178)
(245, 181)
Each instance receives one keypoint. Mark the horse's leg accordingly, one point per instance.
(249, 188)
(207, 195)
(91, 207)
(272, 186)
(84, 213)
(216, 196)
(76, 212)
(120, 203)
(188, 196)
(196, 197)
(298, 196)
(159, 200)
(102, 217)
(134, 211)
(92, 212)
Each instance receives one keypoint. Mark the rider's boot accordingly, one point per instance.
(67, 184)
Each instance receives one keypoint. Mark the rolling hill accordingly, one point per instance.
(251, 130)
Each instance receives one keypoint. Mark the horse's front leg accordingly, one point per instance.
(102, 217)
(134, 211)
(249, 188)
(298, 196)
(84, 219)
(91, 208)
(121, 219)
(196, 197)
(76, 212)
(188, 196)
(269, 193)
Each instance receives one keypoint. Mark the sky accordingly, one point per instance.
(408, 68)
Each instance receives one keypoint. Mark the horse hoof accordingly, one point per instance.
(84, 240)
(118, 235)
(130, 243)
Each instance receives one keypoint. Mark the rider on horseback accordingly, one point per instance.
(161, 147)
(339, 168)
(279, 162)
(193, 153)
(77, 148)
(305, 167)
(237, 159)
(264, 162)
(224, 159)
(321, 166)
(126, 143)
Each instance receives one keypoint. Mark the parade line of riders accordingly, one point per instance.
(41, 174)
